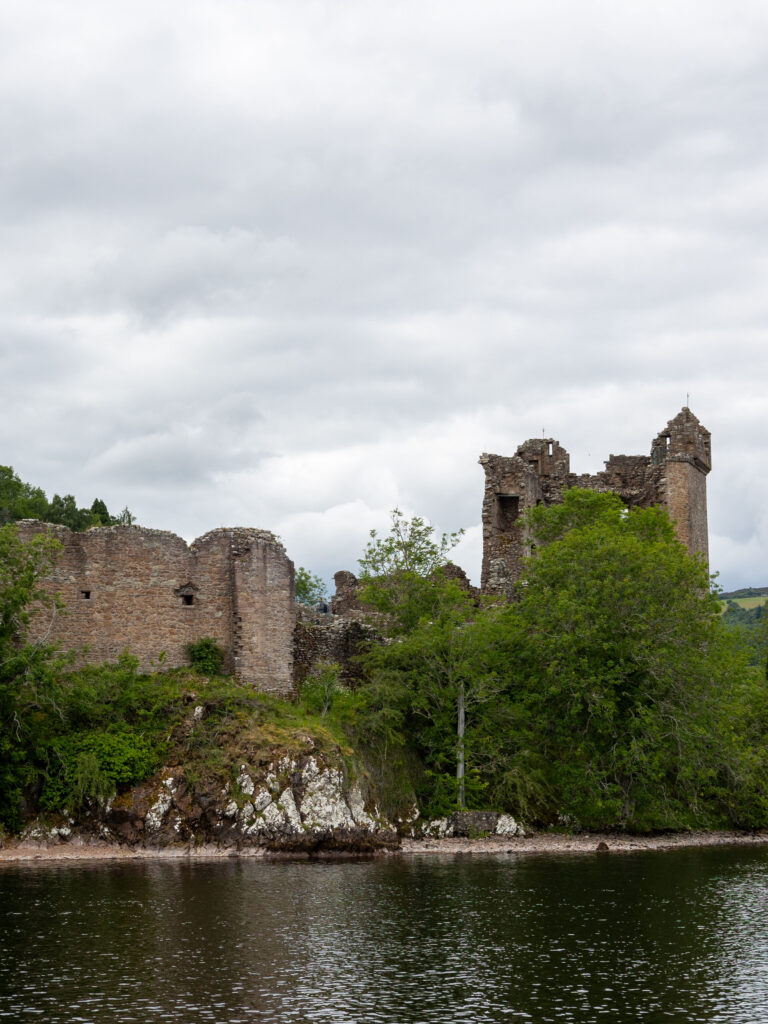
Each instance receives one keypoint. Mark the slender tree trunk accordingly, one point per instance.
(460, 750)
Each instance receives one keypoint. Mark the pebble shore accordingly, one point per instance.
(532, 843)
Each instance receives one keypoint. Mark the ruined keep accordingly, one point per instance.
(673, 476)
(126, 587)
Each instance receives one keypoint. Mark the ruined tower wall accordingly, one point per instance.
(686, 499)
(673, 475)
(147, 592)
(511, 488)
(264, 615)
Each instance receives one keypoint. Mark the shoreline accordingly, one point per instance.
(79, 851)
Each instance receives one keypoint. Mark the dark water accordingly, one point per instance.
(679, 936)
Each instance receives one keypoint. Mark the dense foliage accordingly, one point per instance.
(206, 656)
(610, 693)
(27, 670)
(19, 500)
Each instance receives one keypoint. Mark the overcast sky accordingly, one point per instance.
(290, 264)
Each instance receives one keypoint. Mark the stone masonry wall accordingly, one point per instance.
(673, 475)
(127, 587)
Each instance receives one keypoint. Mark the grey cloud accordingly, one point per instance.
(323, 254)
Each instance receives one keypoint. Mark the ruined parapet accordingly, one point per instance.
(346, 600)
(335, 640)
(673, 475)
(146, 591)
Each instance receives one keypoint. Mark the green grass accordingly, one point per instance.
(745, 602)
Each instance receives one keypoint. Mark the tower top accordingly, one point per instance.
(684, 439)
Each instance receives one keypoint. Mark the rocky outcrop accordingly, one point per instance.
(295, 805)
(472, 824)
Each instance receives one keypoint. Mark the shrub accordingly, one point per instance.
(205, 656)
(319, 689)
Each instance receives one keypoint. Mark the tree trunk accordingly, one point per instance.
(460, 750)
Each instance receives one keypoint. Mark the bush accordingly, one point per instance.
(94, 765)
(319, 689)
(205, 656)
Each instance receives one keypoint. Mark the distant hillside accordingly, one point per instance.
(744, 592)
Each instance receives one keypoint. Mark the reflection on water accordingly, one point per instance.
(680, 936)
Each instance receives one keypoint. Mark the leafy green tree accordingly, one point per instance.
(27, 670)
(444, 674)
(435, 673)
(402, 573)
(310, 589)
(19, 500)
(100, 514)
(65, 512)
(625, 677)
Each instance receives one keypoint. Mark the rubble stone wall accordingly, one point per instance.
(127, 587)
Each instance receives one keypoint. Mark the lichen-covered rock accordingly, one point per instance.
(438, 828)
(507, 826)
(295, 804)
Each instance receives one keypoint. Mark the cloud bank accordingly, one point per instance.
(292, 264)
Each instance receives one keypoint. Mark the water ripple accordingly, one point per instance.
(680, 936)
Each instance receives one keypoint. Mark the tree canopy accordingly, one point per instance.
(26, 669)
(610, 693)
(19, 500)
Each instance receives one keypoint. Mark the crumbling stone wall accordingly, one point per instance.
(673, 475)
(327, 638)
(127, 587)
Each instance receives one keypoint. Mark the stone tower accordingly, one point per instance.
(682, 454)
(673, 475)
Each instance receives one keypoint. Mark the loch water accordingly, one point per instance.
(666, 936)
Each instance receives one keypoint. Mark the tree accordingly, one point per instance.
(625, 678)
(25, 668)
(310, 589)
(19, 500)
(444, 675)
(126, 518)
(65, 512)
(100, 514)
(401, 574)
(434, 663)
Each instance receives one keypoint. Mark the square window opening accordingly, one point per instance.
(187, 599)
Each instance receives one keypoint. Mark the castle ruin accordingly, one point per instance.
(146, 591)
(673, 476)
